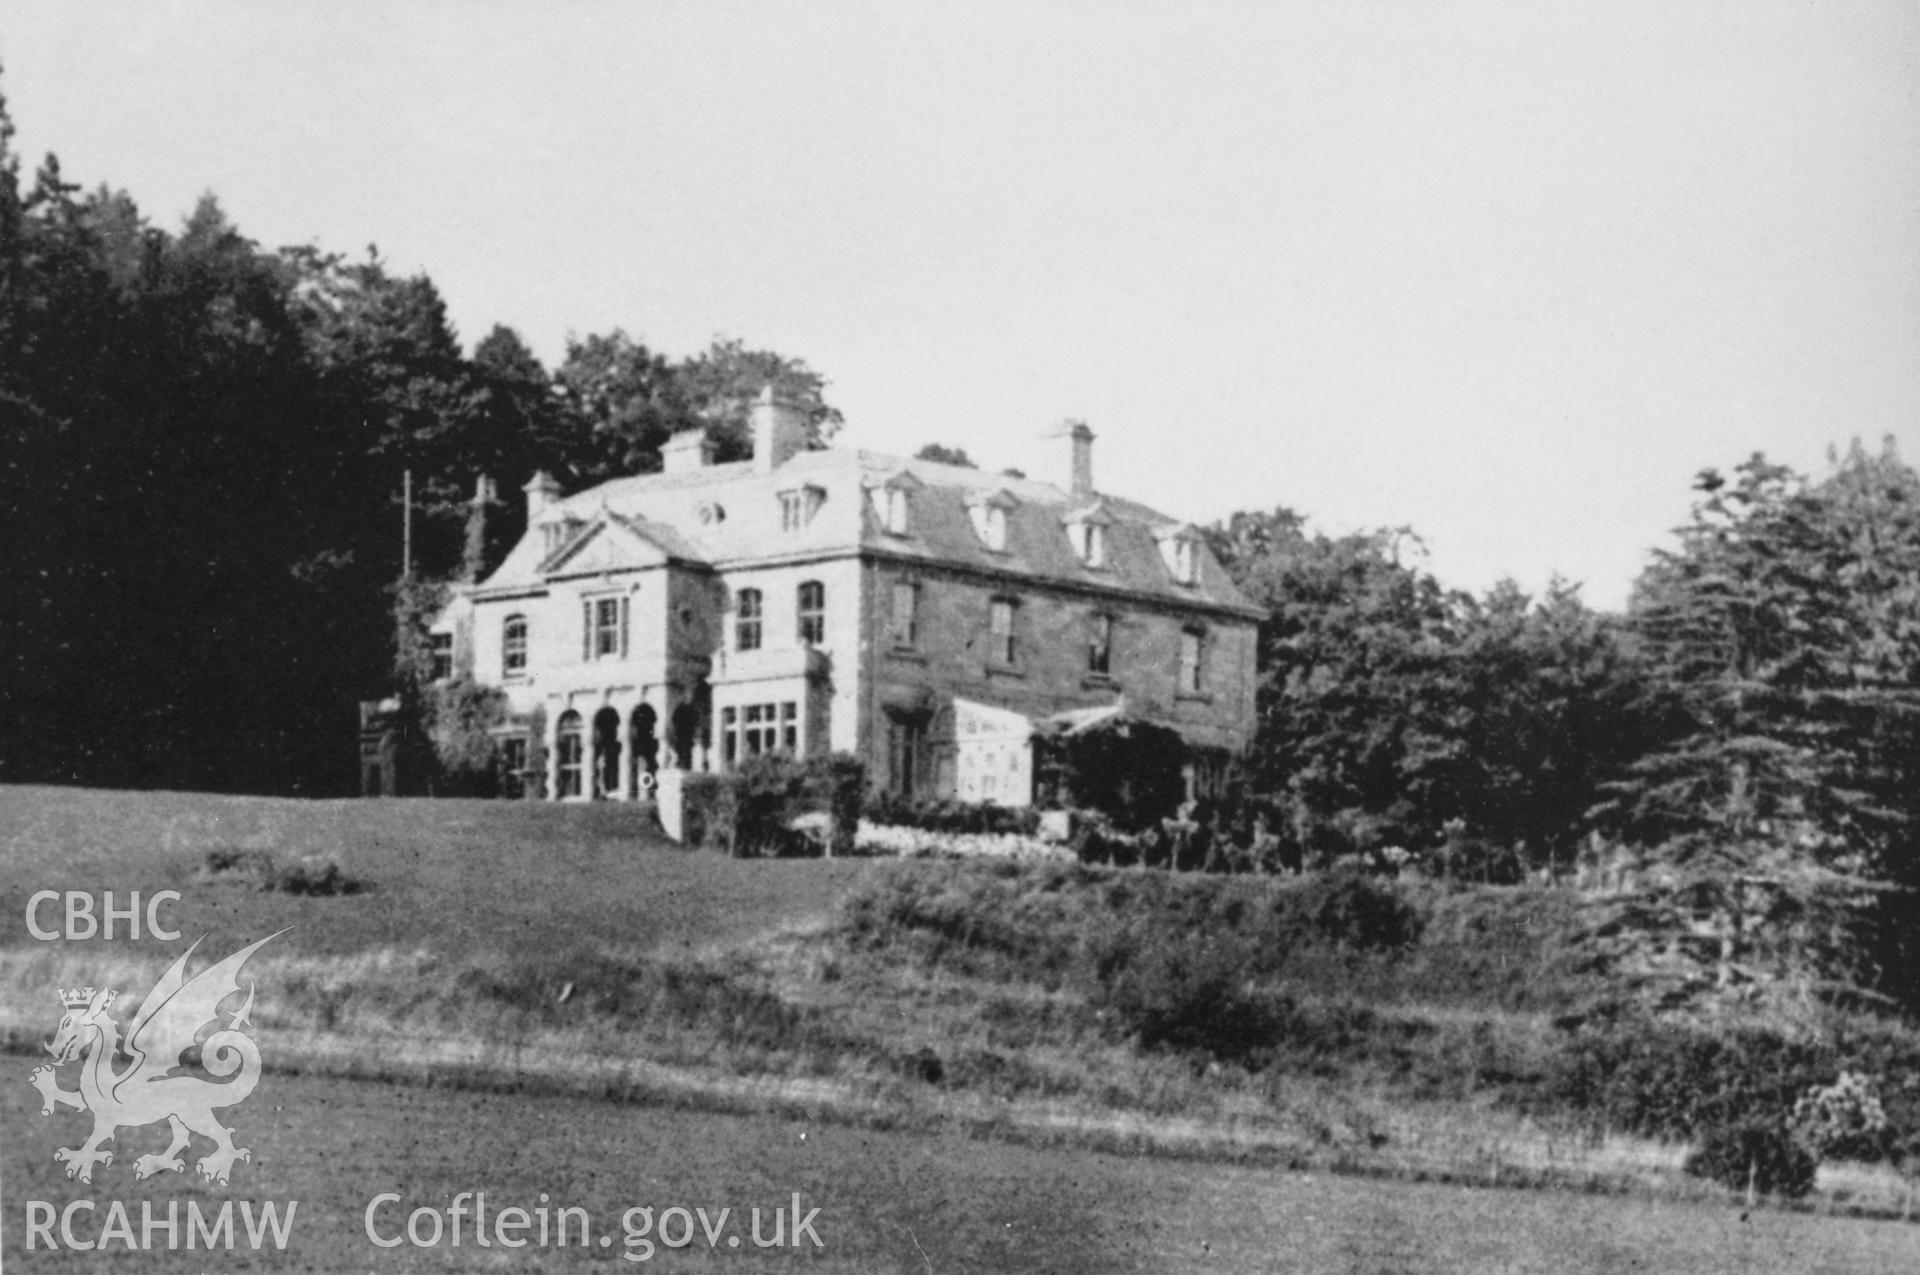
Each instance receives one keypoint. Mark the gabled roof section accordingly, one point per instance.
(661, 534)
(615, 542)
(1094, 514)
(902, 479)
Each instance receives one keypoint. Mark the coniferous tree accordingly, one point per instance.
(1776, 802)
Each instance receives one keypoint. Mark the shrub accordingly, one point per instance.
(754, 807)
(461, 715)
(701, 794)
(753, 804)
(231, 864)
(1757, 1152)
(1185, 991)
(1128, 770)
(1673, 1080)
(1668, 1080)
(838, 782)
(1359, 911)
(316, 875)
(1844, 1118)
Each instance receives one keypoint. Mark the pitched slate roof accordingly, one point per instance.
(729, 516)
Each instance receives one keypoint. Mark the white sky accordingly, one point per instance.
(1510, 273)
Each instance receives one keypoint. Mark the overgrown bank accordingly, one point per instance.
(1401, 1027)
(1422, 990)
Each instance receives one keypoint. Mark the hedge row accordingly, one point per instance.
(773, 806)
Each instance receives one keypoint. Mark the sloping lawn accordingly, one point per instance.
(453, 876)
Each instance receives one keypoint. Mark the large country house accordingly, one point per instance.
(928, 618)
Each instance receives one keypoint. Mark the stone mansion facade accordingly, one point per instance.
(927, 618)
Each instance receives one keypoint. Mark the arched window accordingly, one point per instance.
(813, 613)
(513, 645)
(571, 752)
(746, 621)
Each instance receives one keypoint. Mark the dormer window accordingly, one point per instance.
(989, 513)
(892, 501)
(797, 506)
(1180, 547)
(1090, 543)
(992, 525)
(1087, 529)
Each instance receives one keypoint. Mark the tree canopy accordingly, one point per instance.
(205, 443)
(941, 454)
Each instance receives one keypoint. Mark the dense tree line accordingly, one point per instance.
(1745, 737)
(1762, 685)
(203, 446)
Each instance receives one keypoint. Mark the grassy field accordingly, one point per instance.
(892, 1202)
(453, 876)
(554, 999)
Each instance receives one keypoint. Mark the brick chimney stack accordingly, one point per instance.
(779, 430)
(479, 530)
(1081, 485)
(542, 492)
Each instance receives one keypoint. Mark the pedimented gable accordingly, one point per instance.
(606, 543)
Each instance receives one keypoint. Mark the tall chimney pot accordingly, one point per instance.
(779, 430)
(542, 492)
(1081, 438)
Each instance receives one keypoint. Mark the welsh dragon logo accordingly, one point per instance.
(154, 1086)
